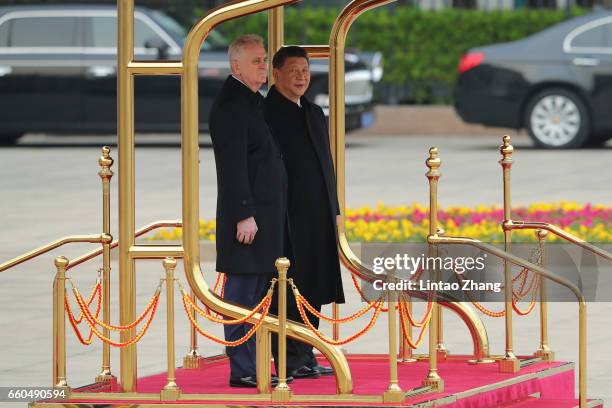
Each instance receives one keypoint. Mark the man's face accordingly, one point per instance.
(250, 66)
(293, 78)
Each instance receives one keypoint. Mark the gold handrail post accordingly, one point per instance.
(510, 363)
(262, 358)
(127, 212)
(59, 325)
(171, 391)
(106, 161)
(276, 36)
(282, 392)
(191, 183)
(544, 351)
(193, 358)
(394, 393)
(433, 379)
(337, 44)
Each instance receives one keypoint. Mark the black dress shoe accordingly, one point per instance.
(243, 382)
(251, 381)
(323, 370)
(305, 372)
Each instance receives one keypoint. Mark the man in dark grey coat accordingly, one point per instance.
(251, 184)
(300, 130)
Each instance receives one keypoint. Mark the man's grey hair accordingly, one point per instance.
(236, 47)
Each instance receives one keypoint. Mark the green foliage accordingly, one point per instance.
(421, 48)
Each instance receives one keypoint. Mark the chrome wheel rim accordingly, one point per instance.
(555, 120)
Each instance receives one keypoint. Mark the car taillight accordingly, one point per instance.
(470, 60)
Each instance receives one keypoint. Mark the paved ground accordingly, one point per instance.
(434, 120)
(50, 188)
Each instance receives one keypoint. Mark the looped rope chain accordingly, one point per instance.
(206, 314)
(535, 257)
(302, 302)
(74, 322)
(264, 305)
(93, 321)
(404, 312)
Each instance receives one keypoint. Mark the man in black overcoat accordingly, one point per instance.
(300, 130)
(251, 184)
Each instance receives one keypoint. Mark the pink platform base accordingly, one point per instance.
(466, 386)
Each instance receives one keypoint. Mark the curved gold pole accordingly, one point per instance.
(337, 42)
(317, 51)
(191, 182)
(276, 36)
(475, 326)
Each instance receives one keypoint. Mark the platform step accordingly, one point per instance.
(417, 391)
(530, 361)
(552, 403)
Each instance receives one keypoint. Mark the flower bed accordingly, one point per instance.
(592, 223)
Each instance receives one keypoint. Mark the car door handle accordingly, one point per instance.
(100, 71)
(5, 70)
(586, 62)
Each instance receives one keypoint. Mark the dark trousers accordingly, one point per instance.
(298, 354)
(247, 291)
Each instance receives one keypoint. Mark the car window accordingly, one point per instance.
(43, 32)
(104, 32)
(214, 41)
(595, 37)
(170, 24)
(4, 33)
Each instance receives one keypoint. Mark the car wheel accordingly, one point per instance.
(557, 119)
(9, 139)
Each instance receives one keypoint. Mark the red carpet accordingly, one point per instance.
(371, 376)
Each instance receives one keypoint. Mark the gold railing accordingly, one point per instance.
(436, 240)
(188, 69)
(63, 265)
(129, 251)
(510, 363)
(71, 239)
(337, 43)
(512, 225)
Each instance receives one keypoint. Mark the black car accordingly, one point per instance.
(58, 72)
(557, 83)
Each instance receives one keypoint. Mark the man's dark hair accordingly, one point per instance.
(287, 52)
